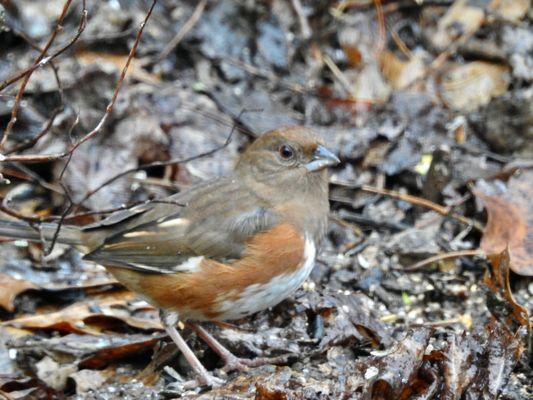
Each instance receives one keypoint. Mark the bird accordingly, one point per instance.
(222, 249)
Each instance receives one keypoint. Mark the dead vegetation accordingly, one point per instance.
(423, 286)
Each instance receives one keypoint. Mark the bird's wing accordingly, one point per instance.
(212, 220)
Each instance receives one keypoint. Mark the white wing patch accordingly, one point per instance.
(192, 264)
(174, 222)
(258, 297)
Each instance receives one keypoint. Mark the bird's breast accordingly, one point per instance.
(259, 296)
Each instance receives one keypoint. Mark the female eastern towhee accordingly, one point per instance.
(223, 249)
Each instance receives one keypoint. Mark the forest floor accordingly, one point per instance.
(423, 285)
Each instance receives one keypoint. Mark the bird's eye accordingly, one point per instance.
(286, 152)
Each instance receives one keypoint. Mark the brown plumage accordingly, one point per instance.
(228, 247)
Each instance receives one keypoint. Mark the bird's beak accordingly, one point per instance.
(322, 158)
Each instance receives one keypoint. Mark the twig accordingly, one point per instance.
(401, 44)
(465, 320)
(158, 164)
(64, 214)
(22, 88)
(18, 215)
(419, 201)
(30, 175)
(53, 66)
(345, 224)
(96, 130)
(341, 78)
(381, 24)
(81, 27)
(31, 142)
(440, 257)
(346, 85)
(96, 212)
(176, 40)
(302, 19)
(103, 120)
(392, 7)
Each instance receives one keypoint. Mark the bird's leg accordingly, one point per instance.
(231, 361)
(170, 320)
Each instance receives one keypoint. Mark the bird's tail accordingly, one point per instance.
(22, 230)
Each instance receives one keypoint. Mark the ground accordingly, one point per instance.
(422, 287)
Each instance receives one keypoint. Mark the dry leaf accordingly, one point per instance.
(10, 288)
(511, 10)
(470, 86)
(81, 317)
(502, 303)
(461, 19)
(399, 73)
(116, 62)
(510, 223)
(394, 374)
(124, 346)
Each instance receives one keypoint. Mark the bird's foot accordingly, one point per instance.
(209, 381)
(234, 363)
(205, 380)
(231, 361)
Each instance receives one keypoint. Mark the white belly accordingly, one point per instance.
(258, 297)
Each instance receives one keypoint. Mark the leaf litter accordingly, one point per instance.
(425, 103)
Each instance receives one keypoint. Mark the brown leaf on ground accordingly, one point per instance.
(511, 10)
(102, 357)
(22, 387)
(114, 63)
(460, 19)
(469, 86)
(477, 365)
(501, 351)
(501, 302)
(394, 374)
(510, 223)
(10, 288)
(88, 317)
(266, 393)
(400, 74)
(459, 365)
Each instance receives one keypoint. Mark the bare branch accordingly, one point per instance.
(44, 61)
(158, 164)
(103, 120)
(29, 143)
(14, 110)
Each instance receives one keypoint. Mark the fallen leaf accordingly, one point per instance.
(54, 374)
(103, 356)
(115, 62)
(22, 387)
(393, 373)
(459, 365)
(400, 73)
(501, 350)
(87, 317)
(86, 379)
(461, 19)
(466, 87)
(10, 288)
(475, 364)
(81, 351)
(501, 302)
(511, 10)
(510, 222)
(264, 392)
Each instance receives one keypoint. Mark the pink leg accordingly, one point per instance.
(231, 361)
(204, 377)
